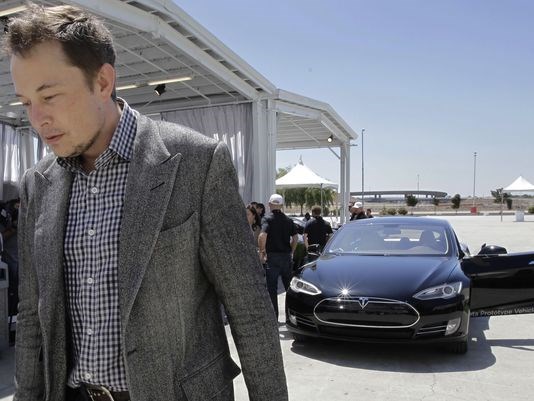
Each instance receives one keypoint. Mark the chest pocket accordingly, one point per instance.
(183, 236)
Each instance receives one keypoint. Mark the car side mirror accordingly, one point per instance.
(464, 250)
(492, 250)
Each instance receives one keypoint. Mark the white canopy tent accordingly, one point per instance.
(520, 185)
(301, 176)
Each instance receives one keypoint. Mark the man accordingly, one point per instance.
(124, 258)
(369, 214)
(357, 212)
(277, 241)
(317, 231)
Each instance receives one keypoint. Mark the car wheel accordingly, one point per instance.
(459, 347)
(299, 338)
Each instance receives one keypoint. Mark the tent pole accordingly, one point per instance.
(322, 207)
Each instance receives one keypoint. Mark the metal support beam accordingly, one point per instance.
(344, 191)
(263, 151)
(139, 19)
(272, 131)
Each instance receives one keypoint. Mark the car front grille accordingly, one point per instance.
(366, 333)
(366, 312)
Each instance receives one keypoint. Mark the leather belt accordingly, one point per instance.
(92, 392)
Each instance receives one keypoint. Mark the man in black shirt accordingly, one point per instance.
(357, 212)
(317, 230)
(277, 242)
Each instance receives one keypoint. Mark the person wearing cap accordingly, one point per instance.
(277, 242)
(357, 212)
(317, 230)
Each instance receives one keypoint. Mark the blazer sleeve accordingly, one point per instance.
(29, 375)
(230, 260)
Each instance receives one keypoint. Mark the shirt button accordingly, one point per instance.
(94, 190)
(89, 332)
(91, 232)
(87, 376)
(90, 280)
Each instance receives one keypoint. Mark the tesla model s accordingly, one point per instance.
(405, 279)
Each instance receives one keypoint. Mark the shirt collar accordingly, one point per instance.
(124, 136)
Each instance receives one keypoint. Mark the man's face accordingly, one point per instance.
(67, 114)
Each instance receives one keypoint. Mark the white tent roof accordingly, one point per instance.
(302, 176)
(520, 185)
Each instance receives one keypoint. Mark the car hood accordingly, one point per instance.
(395, 277)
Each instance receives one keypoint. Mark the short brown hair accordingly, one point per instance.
(85, 40)
(316, 210)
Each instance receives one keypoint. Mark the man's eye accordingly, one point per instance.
(47, 98)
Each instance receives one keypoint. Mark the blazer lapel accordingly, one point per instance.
(53, 189)
(151, 179)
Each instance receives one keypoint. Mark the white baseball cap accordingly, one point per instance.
(276, 199)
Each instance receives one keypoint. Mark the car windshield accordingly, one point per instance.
(390, 239)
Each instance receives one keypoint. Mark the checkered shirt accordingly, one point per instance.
(91, 250)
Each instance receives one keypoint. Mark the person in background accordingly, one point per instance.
(260, 208)
(369, 214)
(307, 217)
(278, 240)
(317, 231)
(8, 230)
(124, 253)
(357, 212)
(254, 222)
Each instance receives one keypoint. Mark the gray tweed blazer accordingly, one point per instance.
(184, 245)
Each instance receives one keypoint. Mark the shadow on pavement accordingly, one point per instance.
(415, 358)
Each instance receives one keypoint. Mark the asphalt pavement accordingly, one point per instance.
(498, 365)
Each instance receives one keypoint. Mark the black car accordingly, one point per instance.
(405, 279)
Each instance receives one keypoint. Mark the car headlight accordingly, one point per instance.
(299, 285)
(441, 291)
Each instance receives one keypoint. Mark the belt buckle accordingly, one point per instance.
(95, 392)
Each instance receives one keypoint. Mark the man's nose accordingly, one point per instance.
(38, 116)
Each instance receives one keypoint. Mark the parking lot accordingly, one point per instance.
(497, 366)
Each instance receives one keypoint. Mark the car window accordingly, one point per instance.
(391, 239)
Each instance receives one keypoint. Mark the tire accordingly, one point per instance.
(299, 338)
(459, 347)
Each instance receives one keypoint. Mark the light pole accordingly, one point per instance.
(363, 176)
(474, 178)
(418, 185)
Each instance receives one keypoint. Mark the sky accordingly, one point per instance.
(431, 82)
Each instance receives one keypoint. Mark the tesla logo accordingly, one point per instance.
(363, 302)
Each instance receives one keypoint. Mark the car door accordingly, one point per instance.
(501, 284)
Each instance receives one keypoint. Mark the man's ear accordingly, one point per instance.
(105, 81)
